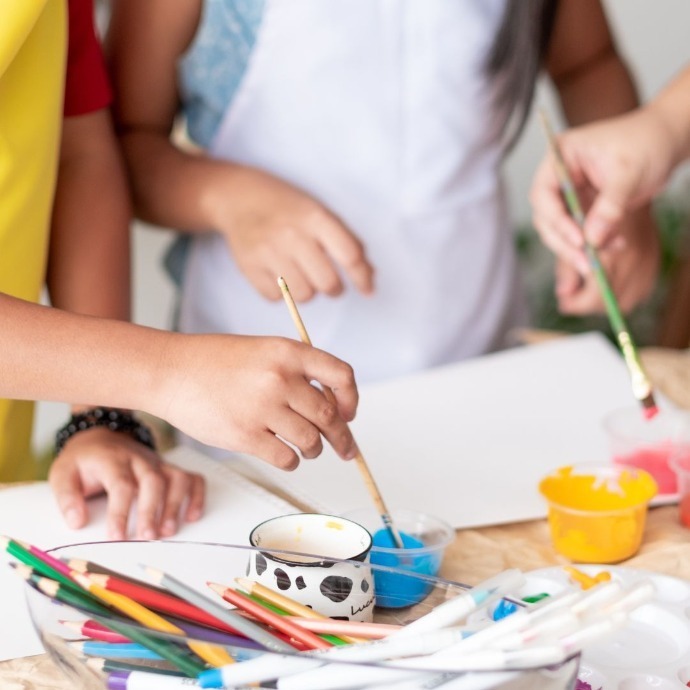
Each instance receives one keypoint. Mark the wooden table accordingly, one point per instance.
(479, 553)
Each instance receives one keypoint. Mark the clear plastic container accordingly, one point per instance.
(650, 444)
(597, 513)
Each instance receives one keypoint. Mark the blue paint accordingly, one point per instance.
(503, 609)
(397, 590)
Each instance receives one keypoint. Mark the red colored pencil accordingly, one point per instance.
(281, 623)
(165, 603)
(155, 599)
(95, 631)
(46, 558)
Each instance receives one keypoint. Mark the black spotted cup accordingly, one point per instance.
(296, 559)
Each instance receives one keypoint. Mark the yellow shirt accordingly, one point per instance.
(33, 44)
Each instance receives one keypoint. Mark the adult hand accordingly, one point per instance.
(275, 229)
(98, 460)
(617, 166)
(254, 395)
(631, 270)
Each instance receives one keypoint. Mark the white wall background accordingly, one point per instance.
(653, 36)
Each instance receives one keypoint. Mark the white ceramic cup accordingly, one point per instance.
(342, 588)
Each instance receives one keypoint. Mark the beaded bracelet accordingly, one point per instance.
(115, 420)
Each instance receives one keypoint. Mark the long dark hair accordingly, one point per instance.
(516, 57)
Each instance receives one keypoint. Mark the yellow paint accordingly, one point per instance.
(587, 581)
(332, 524)
(597, 516)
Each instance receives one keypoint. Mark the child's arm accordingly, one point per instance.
(247, 394)
(271, 227)
(88, 273)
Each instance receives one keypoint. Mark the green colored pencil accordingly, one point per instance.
(333, 639)
(641, 385)
(15, 549)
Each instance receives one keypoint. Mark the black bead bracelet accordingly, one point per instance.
(115, 420)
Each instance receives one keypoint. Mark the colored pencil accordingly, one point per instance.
(187, 663)
(107, 665)
(60, 592)
(81, 565)
(90, 628)
(641, 385)
(213, 654)
(24, 554)
(362, 465)
(94, 631)
(365, 631)
(50, 560)
(158, 599)
(244, 603)
(286, 603)
(115, 650)
(144, 680)
(232, 618)
(333, 639)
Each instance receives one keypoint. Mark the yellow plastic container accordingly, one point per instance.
(597, 513)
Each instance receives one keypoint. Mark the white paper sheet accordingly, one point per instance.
(29, 513)
(469, 442)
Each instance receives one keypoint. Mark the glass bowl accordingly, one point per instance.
(197, 563)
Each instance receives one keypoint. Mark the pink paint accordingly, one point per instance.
(650, 412)
(655, 460)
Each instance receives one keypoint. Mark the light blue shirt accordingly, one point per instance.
(211, 71)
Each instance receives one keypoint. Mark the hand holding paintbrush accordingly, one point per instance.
(642, 388)
(359, 458)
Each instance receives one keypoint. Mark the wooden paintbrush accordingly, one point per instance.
(359, 458)
(641, 385)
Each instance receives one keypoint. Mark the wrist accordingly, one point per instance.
(671, 133)
(108, 418)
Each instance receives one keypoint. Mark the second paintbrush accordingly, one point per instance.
(642, 388)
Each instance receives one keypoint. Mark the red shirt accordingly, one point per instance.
(87, 88)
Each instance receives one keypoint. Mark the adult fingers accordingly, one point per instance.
(550, 212)
(568, 280)
(564, 250)
(66, 484)
(611, 204)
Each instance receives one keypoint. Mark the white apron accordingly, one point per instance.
(379, 109)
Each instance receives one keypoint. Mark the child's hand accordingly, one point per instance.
(99, 460)
(254, 395)
(275, 229)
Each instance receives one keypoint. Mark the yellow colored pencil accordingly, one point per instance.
(211, 653)
(285, 603)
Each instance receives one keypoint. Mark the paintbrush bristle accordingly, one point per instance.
(649, 407)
